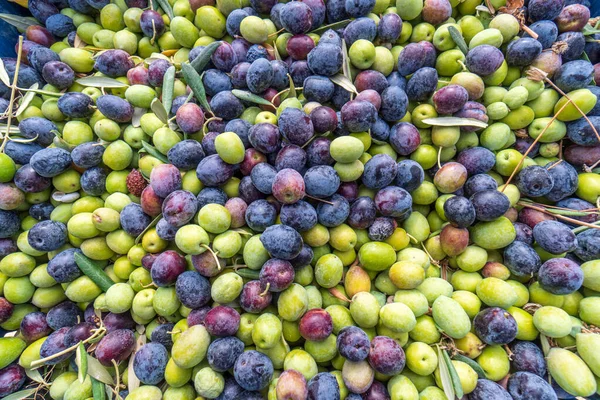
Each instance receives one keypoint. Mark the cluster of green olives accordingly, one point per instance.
(308, 199)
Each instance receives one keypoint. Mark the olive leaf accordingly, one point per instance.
(483, 8)
(150, 226)
(93, 271)
(20, 395)
(251, 97)
(166, 6)
(168, 87)
(34, 375)
(44, 92)
(445, 377)
(292, 92)
(26, 100)
(194, 81)
(276, 53)
(101, 82)
(458, 389)
(159, 110)
(98, 371)
(3, 74)
(138, 112)
(248, 273)
(63, 197)
(148, 148)
(97, 390)
(11, 130)
(202, 60)
(133, 381)
(343, 81)
(455, 121)
(347, 71)
(545, 344)
(589, 30)
(458, 39)
(81, 361)
(476, 367)
(156, 56)
(21, 23)
(334, 26)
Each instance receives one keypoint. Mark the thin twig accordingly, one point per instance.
(537, 139)
(571, 220)
(13, 91)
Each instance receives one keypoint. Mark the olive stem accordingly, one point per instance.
(571, 220)
(594, 165)
(559, 90)
(339, 295)
(99, 331)
(317, 199)
(13, 91)
(118, 376)
(412, 237)
(537, 139)
(207, 247)
(584, 228)
(264, 293)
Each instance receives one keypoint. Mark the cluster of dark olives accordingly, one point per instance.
(308, 199)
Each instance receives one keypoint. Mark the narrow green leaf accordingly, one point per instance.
(251, 97)
(159, 110)
(200, 62)
(133, 381)
(153, 152)
(13, 129)
(21, 23)
(589, 30)
(276, 53)
(458, 39)
(194, 81)
(156, 56)
(458, 389)
(471, 363)
(248, 273)
(545, 344)
(447, 385)
(344, 82)
(455, 121)
(483, 8)
(334, 26)
(167, 88)
(97, 389)
(164, 4)
(20, 395)
(99, 372)
(137, 116)
(26, 99)
(346, 70)
(292, 92)
(81, 362)
(109, 392)
(101, 82)
(93, 271)
(587, 58)
(569, 213)
(34, 375)
(3, 74)
(152, 225)
(45, 92)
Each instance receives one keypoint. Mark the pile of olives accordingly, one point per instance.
(326, 200)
